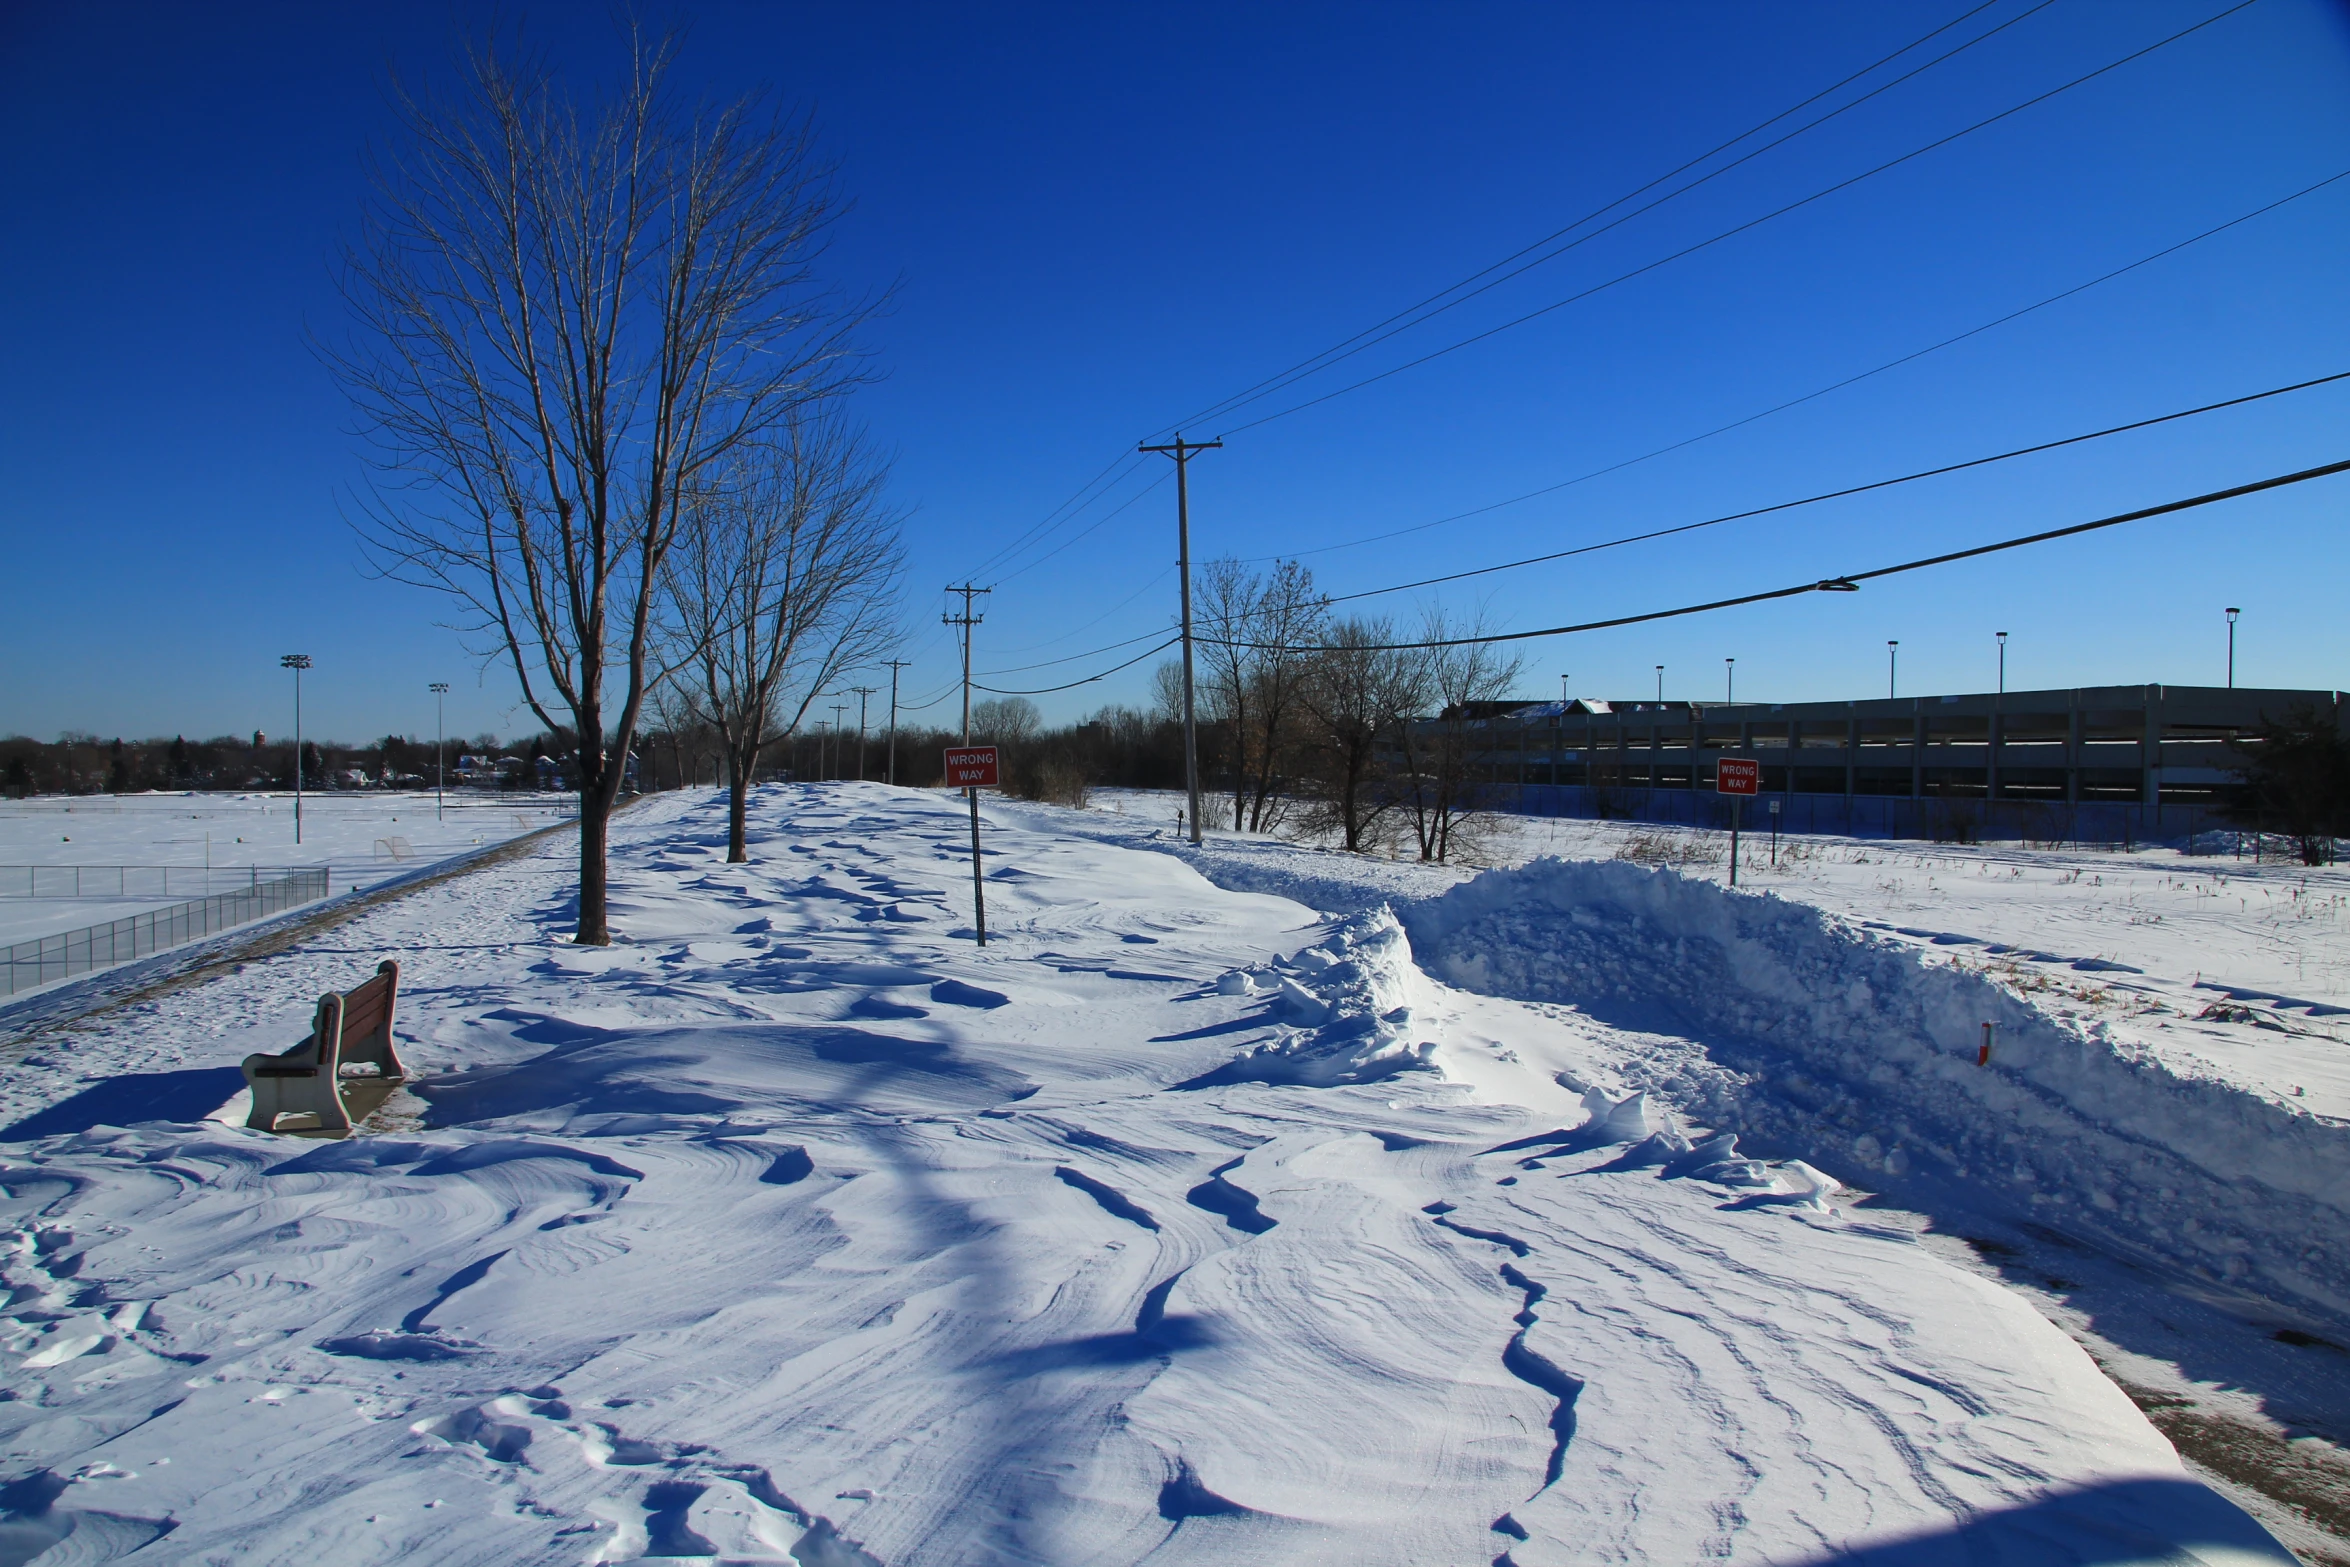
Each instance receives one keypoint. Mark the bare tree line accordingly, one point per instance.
(1315, 722)
(603, 382)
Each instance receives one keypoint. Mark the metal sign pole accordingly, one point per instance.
(1735, 802)
(978, 881)
(972, 768)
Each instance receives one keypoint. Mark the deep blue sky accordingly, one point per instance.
(1102, 218)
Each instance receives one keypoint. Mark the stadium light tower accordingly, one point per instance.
(2232, 614)
(297, 662)
(440, 742)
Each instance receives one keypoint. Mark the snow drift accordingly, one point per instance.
(1805, 1031)
(1344, 1009)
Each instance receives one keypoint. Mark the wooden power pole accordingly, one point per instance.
(1183, 451)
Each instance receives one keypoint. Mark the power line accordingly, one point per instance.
(1751, 223)
(1089, 531)
(1857, 489)
(1837, 386)
(1843, 584)
(1055, 641)
(1419, 314)
(1076, 503)
(1089, 679)
(1083, 492)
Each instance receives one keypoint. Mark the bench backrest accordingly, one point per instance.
(356, 1026)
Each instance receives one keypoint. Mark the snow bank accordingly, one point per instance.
(1812, 1033)
(1344, 1009)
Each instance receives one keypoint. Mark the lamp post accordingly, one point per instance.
(2002, 661)
(1660, 683)
(1892, 667)
(297, 662)
(440, 742)
(1563, 690)
(1729, 682)
(2232, 614)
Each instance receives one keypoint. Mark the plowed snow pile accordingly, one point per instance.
(1820, 1034)
(1177, 1224)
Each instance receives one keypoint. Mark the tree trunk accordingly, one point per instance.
(595, 818)
(738, 801)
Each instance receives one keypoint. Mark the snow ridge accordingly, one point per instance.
(1344, 1010)
(1811, 1032)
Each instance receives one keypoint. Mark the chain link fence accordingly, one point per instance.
(135, 881)
(49, 958)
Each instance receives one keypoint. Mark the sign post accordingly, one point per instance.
(1739, 777)
(971, 768)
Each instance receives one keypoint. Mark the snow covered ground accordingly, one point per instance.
(1183, 1222)
(363, 838)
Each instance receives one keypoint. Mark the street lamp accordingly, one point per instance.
(440, 733)
(1563, 690)
(2232, 614)
(297, 662)
(2002, 661)
(1660, 683)
(1892, 667)
(1729, 682)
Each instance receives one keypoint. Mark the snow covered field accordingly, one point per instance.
(361, 837)
(1183, 1222)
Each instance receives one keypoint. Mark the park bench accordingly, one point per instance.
(342, 1071)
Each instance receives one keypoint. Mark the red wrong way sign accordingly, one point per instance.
(1740, 775)
(974, 766)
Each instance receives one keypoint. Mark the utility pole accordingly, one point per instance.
(440, 742)
(966, 620)
(864, 693)
(297, 662)
(895, 664)
(1183, 451)
(838, 708)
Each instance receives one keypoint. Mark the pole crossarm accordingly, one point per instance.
(966, 621)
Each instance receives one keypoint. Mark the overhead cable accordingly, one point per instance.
(1415, 315)
(1846, 583)
(1077, 503)
(1857, 489)
(1088, 680)
(1732, 232)
(1836, 386)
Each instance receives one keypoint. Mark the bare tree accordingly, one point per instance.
(1255, 677)
(1354, 689)
(1006, 721)
(1438, 781)
(784, 577)
(568, 316)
